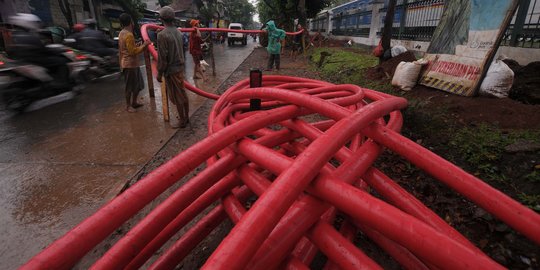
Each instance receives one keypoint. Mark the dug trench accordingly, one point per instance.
(493, 139)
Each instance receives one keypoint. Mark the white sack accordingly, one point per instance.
(406, 74)
(498, 80)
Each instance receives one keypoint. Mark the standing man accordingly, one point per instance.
(275, 35)
(195, 42)
(129, 54)
(171, 64)
(297, 42)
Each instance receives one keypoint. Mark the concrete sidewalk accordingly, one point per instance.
(60, 163)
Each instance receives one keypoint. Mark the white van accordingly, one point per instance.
(232, 37)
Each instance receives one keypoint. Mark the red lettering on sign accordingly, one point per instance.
(467, 72)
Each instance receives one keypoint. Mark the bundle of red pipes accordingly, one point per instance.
(306, 157)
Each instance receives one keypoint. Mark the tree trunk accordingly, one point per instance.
(302, 12)
(387, 31)
(64, 7)
(212, 57)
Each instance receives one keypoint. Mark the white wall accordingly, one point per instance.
(523, 56)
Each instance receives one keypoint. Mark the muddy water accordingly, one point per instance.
(66, 157)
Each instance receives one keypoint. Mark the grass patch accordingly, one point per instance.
(532, 201)
(347, 67)
(534, 176)
(341, 60)
(483, 148)
(480, 149)
(484, 145)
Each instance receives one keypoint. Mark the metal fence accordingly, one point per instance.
(524, 30)
(319, 24)
(356, 23)
(417, 20)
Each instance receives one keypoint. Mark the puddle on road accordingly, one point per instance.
(66, 157)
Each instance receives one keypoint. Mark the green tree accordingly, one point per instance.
(285, 11)
(239, 11)
(133, 8)
(163, 3)
(210, 10)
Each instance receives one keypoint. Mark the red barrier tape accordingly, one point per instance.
(307, 155)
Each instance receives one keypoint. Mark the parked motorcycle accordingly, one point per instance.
(23, 83)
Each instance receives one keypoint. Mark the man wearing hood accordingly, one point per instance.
(275, 35)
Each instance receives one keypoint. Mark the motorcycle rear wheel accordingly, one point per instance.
(17, 103)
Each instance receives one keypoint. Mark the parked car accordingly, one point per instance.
(233, 37)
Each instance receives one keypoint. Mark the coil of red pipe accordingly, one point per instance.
(306, 156)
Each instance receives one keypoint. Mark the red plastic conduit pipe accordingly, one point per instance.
(300, 157)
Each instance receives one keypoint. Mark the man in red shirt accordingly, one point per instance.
(195, 49)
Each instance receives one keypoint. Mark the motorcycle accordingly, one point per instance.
(23, 83)
(99, 66)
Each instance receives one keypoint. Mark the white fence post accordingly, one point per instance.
(376, 21)
(329, 17)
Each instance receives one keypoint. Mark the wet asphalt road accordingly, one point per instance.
(67, 156)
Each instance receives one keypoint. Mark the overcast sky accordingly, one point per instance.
(256, 16)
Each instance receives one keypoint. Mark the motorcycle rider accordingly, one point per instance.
(76, 36)
(94, 41)
(26, 46)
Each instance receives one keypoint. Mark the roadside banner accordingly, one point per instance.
(464, 44)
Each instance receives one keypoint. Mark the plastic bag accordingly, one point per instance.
(498, 80)
(406, 74)
(378, 51)
(204, 64)
(397, 50)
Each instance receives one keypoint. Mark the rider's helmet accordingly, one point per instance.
(78, 27)
(26, 21)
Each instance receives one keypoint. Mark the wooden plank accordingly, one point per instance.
(149, 77)
(465, 42)
(164, 101)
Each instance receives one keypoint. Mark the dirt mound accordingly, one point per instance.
(387, 68)
(526, 87)
(513, 65)
(503, 112)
